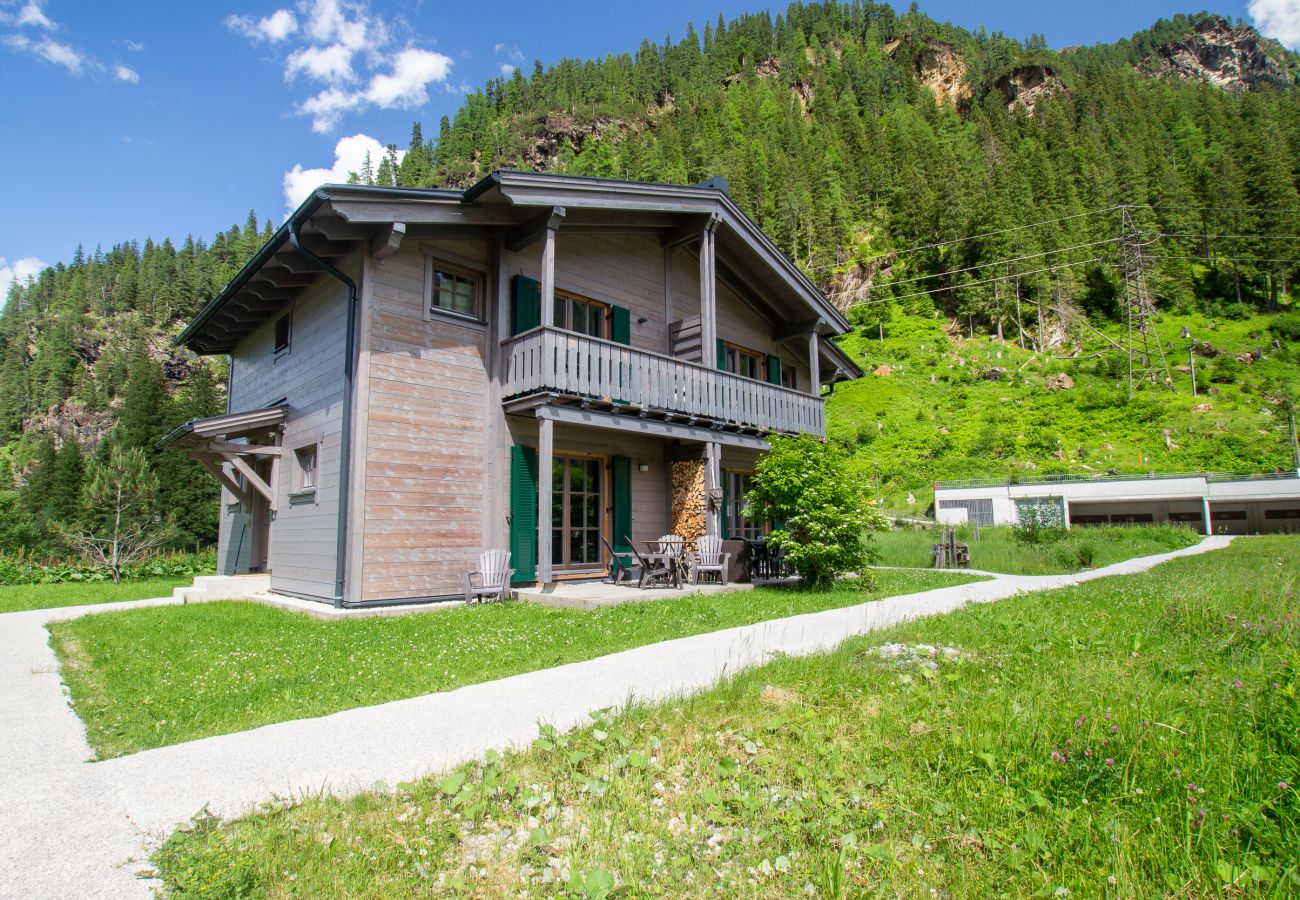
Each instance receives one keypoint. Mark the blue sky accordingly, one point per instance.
(130, 119)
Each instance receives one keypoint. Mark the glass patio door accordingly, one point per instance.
(576, 486)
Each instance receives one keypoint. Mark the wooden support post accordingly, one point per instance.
(712, 483)
(668, 300)
(220, 473)
(254, 480)
(545, 462)
(548, 277)
(814, 363)
(708, 295)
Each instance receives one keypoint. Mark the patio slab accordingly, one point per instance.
(589, 595)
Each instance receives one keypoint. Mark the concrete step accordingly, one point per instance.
(222, 587)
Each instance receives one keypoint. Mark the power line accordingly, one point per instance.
(972, 237)
(1010, 277)
(1254, 259)
(999, 262)
(1253, 237)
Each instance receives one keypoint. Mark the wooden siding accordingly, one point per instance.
(426, 433)
(309, 379)
(548, 360)
(628, 270)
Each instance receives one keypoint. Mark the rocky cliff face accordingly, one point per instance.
(1235, 59)
(1027, 85)
(939, 66)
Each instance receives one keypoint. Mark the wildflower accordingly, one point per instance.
(1110, 761)
(1178, 773)
(1114, 729)
(1111, 879)
(1107, 717)
(1237, 683)
(1282, 785)
(1275, 685)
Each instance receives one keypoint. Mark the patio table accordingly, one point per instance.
(672, 562)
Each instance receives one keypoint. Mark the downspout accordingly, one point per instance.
(345, 448)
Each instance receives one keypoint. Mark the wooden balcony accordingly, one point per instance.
(575, 368)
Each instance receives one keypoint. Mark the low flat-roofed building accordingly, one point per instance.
(1210, 503)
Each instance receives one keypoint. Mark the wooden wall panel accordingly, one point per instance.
(426, 433)
(309, 378)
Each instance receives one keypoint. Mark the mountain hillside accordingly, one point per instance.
(992, 214)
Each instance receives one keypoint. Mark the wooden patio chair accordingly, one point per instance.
(620, 563)
(709, 559)
(652, 572)
(493, 577)
(675, 545)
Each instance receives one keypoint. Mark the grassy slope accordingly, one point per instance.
(964, 425)
(1132, 736)
(152, 677)
(998, 550)
(17, 597)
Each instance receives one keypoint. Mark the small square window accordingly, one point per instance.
(306, 467)
(282, 334)
(451, 290)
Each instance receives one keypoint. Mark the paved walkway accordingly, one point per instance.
(72, 828)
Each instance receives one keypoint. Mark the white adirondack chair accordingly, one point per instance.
(493, 577)
(675, 545)
(709, 559)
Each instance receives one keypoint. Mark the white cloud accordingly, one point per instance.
(332, 64)
(510, 51)
(405, 87)
(1278, 19)
(126, 73)
(350, 53)
(20, 270)
(72, 59)
(349, 156)
(32, 14)
(508, 69)
(272, 29)
(133, 46)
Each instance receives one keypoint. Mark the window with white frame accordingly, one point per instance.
(306, 458)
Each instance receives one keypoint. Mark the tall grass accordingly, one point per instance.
(1134, 736)
(999, 549)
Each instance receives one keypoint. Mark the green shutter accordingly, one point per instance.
(526, 310)
(722, 354)
(726, 503)
(773, 369)
(622, 491)
(523, 513)
(620, 325)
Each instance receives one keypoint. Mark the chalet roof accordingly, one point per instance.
(234, 426)
(331, 221)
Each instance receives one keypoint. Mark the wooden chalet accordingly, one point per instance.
(531, 363)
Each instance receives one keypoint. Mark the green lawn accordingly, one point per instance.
(1133, 736)
(151, 677)
(18, 597)
(996, 549)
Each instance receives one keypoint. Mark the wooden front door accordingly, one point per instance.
(577, 485)
(260, 522)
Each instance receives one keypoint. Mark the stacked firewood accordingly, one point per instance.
(689, 499)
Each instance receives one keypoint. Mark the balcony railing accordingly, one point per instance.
(548, 360)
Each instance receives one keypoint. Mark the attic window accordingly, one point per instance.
(282, 334)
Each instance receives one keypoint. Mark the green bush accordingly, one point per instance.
(22, 568)
(821, 507)
(1286, 327)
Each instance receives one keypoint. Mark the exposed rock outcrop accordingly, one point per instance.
(939, 66)
(1235, 59)
(1027, 85)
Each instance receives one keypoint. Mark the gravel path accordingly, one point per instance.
(72, 828)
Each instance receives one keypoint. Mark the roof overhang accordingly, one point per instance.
(335, 217)
(257, 423)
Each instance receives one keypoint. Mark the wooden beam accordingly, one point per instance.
(798, 330)
(545, 461)
(814, 363)
(388, 240)
(253, 478)
(222, 475)
(535, 229)
(282, 277)
(688, 233)
(451, 212)
(217, 446)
